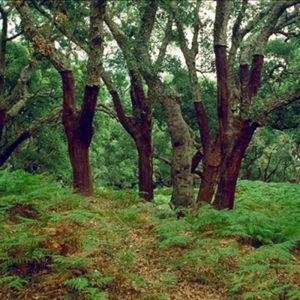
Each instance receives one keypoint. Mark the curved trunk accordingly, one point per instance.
(230, 167)
(145, 167)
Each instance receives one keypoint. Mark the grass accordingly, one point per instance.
(55, 244)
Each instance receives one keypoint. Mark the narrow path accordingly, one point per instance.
(157, 279)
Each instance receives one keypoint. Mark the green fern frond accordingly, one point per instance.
(78, 283)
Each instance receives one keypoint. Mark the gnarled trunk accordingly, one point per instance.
(182, 145)
(145, 166)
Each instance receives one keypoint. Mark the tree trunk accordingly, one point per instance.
(230, 166)
(182, 145)
(82, 173)
(208, 184)
(211, 166)
(145, 167)
(79, 132)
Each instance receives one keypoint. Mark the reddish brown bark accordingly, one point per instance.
(208, 184)
(139, 127)
(214, 153)
(79, 132)
(82, 173)
(211, 165)
(145, 167)
(255, 74)
(231, 165)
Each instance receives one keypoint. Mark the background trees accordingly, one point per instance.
(190, 102)
(19, 67)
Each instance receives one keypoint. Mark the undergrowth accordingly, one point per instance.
(59, 244)
(47, 230)
(249, 250)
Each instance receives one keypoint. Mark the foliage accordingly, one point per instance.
(38, 220)
(272, 156)
(248, 250)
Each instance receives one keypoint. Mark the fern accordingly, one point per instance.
(78, 283)
(257, 272)
(82, 216)
(90, 283)
(94, 294)
(97, 280)
(294, 293)
(66, 263)
(12, 282)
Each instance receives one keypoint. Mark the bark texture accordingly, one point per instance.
(230, 167)
(223, 153)
(145, 167)
(182, 145)
(79, 132)
(78, 124)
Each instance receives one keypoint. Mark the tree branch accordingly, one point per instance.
(221, 22)
(163, 159)
(235, 42)
(40, 42)
(287, 20)
(220, 37)
(196, 27)
(19, 91)
(276, 102)
(92, 83)
(124, 120)
(14, 36)
(164, 44)
(61, 27)
(104, 108)
(147, 23)
(190, 59)
(198, 156)
(27, 134)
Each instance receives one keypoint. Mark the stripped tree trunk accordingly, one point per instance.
(78, 124)
(79, 132)
(145, 167)
(231, 165)
(138, 126)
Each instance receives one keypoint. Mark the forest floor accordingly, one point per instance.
(56, 245)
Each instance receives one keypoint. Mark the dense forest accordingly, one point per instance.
(149, 149)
